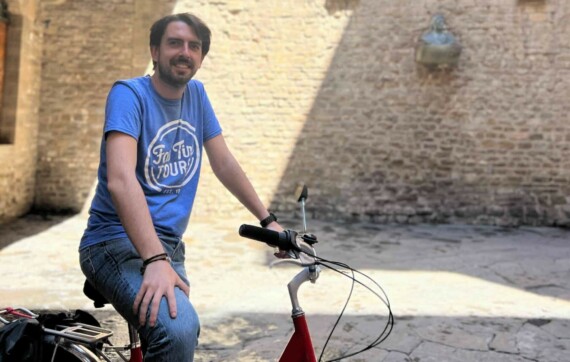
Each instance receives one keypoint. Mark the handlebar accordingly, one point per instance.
(300, 251)
(284, 240)
(299, 247)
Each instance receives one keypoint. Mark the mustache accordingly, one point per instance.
(183, 60)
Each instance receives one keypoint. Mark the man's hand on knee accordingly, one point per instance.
(159, 280)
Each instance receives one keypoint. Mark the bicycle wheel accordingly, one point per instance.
(70, 352)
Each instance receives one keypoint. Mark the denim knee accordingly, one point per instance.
(172, 339)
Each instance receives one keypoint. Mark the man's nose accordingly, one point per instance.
(183, 50)
(186, 50)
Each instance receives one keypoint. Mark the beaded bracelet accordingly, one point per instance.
(152, 259)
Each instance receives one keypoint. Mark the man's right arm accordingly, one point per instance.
(129, 200)
(127, 194)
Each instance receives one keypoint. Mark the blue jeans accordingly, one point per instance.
(113, 267)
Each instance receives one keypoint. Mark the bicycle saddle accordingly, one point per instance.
(89, 290)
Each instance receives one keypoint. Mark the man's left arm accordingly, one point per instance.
(229, 172)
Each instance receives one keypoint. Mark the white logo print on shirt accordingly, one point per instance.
(172, 157)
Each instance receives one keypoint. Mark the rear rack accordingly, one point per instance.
(81, 332)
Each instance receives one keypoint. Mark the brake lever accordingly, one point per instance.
(284, 261)
(306, 256)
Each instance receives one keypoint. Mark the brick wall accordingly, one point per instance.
(327, 92)
(87, 46)
(19, 110)
(486, 143)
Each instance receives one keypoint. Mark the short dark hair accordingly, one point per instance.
(200, 28)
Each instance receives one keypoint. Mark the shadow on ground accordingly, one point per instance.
(258, 337)
(28, 225)
(261, 337)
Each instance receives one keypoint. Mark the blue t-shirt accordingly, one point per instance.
(170, 135)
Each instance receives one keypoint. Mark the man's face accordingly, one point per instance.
(179, 55)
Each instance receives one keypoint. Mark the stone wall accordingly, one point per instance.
(327, 92)
(486, 143)
(19, 109)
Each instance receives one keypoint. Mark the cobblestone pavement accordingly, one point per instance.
(458, 293)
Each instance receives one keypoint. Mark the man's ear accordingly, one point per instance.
(154, 53)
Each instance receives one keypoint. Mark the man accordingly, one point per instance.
(155, 127)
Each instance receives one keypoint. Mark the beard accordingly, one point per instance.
(169, 75)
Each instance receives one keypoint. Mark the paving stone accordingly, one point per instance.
(433, 352)
(454, 336)
(504, 342)
(396, 357)
(558, 328)
(403, 339)
(532, 340)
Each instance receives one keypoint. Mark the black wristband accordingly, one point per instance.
(268, 220)
(152, 259)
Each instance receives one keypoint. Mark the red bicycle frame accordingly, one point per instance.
(135, 346)
(300, 346)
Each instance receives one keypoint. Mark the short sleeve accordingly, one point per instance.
(212, 127)
(123, 112)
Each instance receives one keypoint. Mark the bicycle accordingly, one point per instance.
(302, 253)
(88, 343)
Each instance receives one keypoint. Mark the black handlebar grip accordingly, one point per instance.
(279, 239)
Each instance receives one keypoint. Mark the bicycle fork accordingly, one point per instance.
(300, 346)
